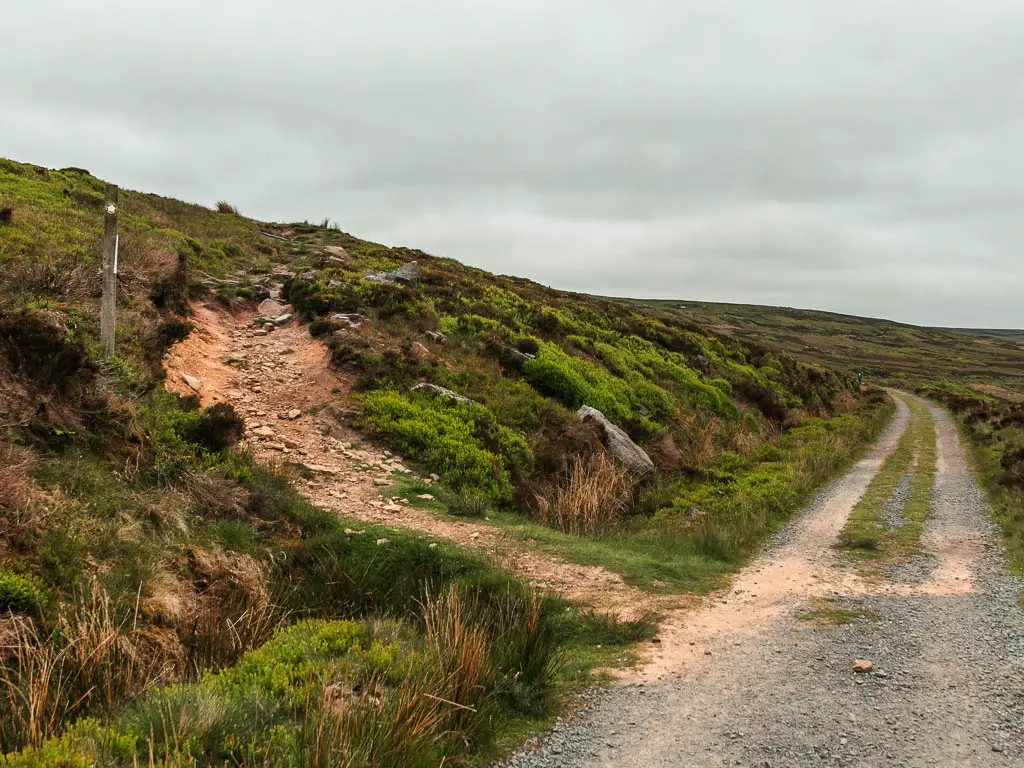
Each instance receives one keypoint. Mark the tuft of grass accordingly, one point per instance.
(824, 613)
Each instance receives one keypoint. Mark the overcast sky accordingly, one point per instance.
(863, 157)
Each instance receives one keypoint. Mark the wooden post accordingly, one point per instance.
(108, 313)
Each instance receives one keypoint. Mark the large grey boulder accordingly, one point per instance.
(272, 309)
(407, 274)
(455, 397)
(619, 443)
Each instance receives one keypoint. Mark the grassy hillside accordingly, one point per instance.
(150, 570)
(884, 351)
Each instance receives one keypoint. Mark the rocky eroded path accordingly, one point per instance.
(747, 680)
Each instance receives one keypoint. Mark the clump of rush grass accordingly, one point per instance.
(592, 499)
(700, 448)
(88, 662)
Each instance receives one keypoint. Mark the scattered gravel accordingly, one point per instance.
(945, 689)
(892, 513)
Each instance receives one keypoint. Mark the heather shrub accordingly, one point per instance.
(459, 441)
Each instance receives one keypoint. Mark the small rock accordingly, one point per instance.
(263, 431)
(350, 532)
(283, 319)
(276, 446)
(407, 274)
(381, 481)
(433, 546)
(862, 666)
(268, 327)
(382, 542)
(426, 497)
(437, 336)
(291, 415)
(194, 384)
(352, 320)
(455, 397)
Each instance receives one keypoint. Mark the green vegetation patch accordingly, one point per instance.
(462, 442)
(20, 594)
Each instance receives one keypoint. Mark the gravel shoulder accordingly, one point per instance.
(747, 681)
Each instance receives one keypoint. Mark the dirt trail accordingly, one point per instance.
(266, 377)
(747, 681)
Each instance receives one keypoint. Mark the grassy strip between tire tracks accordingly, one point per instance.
(866, 535)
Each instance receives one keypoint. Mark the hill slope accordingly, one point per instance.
(881, 349)
(144, 527)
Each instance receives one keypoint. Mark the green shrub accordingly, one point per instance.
(38, 349)
(722, 384)
(169, 333)
(460, 441)
(216, 428)
(528, 345)
(320, 328)
(19, 594)
(577, 382)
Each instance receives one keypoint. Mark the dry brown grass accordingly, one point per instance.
(232, 613)
(215, 496)
(15, 486)
(743, 440)
(592, 499)
(223, 206)
(49, 273)
(144, 260)
(456, 635)
(89, 661)
(700, 448)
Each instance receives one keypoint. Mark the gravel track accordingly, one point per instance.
(947, 646)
